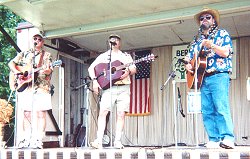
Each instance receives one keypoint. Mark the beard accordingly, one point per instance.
(205, 26)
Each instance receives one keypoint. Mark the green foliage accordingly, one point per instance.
(8, 21)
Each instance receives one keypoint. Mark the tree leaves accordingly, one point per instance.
(9, 21)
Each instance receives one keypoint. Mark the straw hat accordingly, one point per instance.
(213, 12)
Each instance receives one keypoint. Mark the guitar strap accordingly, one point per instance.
(41, 59)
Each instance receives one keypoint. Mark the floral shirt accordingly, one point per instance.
(42, 82)
(214, 61)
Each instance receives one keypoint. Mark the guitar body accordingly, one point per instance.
(102, 71)
(201, 64)
(22, 81)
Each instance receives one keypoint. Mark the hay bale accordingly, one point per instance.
(6, 111)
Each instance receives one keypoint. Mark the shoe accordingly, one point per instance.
(227, 144)
(36, 144)
(23, 144)
(96, 144)
(118, 145)
(212, 145)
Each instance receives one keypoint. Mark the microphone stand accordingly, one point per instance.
(201, 29)
(110, 87)
(196, 93)
(172, 75)
(33, 119)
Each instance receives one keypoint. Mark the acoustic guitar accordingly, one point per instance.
(201, 61)
(102, 71)
(201, 67)
(23, 80)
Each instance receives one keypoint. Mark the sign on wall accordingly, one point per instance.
(179, 52)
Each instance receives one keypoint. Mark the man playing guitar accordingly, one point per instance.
(216, 45)
(120, 88)
(35, 97)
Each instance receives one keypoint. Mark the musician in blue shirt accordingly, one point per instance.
(215, 46)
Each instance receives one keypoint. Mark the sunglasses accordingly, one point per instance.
(208, 17)
(37, 39)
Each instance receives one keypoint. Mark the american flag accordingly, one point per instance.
(139, 88)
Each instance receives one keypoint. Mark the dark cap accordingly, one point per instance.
(114, 36)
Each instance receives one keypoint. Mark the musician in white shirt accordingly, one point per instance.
(120, 89)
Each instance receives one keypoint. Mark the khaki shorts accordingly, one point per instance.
(120, 98)
(40, 101)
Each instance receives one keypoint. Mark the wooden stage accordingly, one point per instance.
(179, 152)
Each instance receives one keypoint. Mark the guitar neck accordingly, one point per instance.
(128, 64)
(56, 63)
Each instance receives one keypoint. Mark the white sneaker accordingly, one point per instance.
(227, 144)
(96, 144)
(212, 145)
(23, 144)
(36, 144)
(118, 145)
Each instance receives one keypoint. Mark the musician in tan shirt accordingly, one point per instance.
(120, 89)
(35, 97)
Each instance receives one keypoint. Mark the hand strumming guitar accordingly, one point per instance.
(45, 70)
(125, 74)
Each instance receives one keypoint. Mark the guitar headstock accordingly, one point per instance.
(57, 63)
(150, 57)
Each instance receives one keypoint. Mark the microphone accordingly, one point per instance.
(87, 78)
(182, 61)
(112, 43)
(101, 74)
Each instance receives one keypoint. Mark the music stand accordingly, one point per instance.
(33, 117)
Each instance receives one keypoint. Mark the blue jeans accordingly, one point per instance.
(215, 107)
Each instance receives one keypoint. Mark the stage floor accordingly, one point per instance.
(185, 152)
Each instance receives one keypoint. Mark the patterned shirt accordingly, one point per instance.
(214, 61)
(42, 82)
